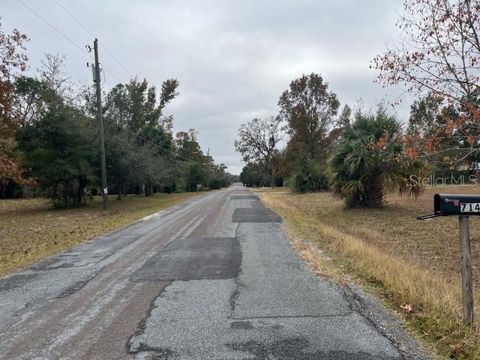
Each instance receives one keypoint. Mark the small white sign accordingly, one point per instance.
(105, 191)
(470, 207)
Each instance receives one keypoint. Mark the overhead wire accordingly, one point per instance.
(93, 35)
(81, 49)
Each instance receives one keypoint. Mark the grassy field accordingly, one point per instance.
(30, 229)
(414, 265)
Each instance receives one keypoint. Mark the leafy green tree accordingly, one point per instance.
(136, 106)
(253, 175)
(59, 154)
(218, 177)
(195, 175)
(140, 146)
(192, 163)
(370, 160)
(309, 108)
(188, 148)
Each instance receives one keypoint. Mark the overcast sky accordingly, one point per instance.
(233, 58)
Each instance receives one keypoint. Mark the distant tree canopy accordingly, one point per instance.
(308, 117)
(257, 142)
(308, 108)
(252, 175)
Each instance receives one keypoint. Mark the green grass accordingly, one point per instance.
(31, 230)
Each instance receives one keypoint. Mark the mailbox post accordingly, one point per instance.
(467, 281)
(462, 206)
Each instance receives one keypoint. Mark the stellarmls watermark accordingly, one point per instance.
(435, 180)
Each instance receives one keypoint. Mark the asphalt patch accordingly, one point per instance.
(255, 215)
(193, 259)
(297, 349)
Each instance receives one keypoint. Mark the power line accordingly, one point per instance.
(73, 17)
(81, 49)
(91, 33)
(117, 61)
(110, 73)
(64, 36)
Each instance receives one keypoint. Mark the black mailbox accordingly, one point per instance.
(462, 206)
(455, 204)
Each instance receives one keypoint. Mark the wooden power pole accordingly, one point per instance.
(96, 80)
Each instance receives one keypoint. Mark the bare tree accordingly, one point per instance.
(439, 56)
(53, 75)
(439, 51)
(257, 141)
(34, 93)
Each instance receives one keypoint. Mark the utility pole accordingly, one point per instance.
(208, 169)
(96, 80)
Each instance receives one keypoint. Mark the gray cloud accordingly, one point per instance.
(233, 58)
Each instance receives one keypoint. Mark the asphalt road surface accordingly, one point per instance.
(213, 278)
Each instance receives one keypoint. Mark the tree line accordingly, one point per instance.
(360, 155)
(49, 137)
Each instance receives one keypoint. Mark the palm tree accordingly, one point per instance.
(369, 161)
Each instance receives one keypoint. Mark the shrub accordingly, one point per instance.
(370, 160)
(311, 178)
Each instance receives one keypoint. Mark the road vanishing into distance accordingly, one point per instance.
(213, 278)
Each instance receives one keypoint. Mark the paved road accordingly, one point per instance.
(214, 278)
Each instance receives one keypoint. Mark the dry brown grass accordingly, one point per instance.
(408, 261)
(30, 229)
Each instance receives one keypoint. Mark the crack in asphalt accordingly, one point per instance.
(234, 295)
(72, 289)
(142, 324)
